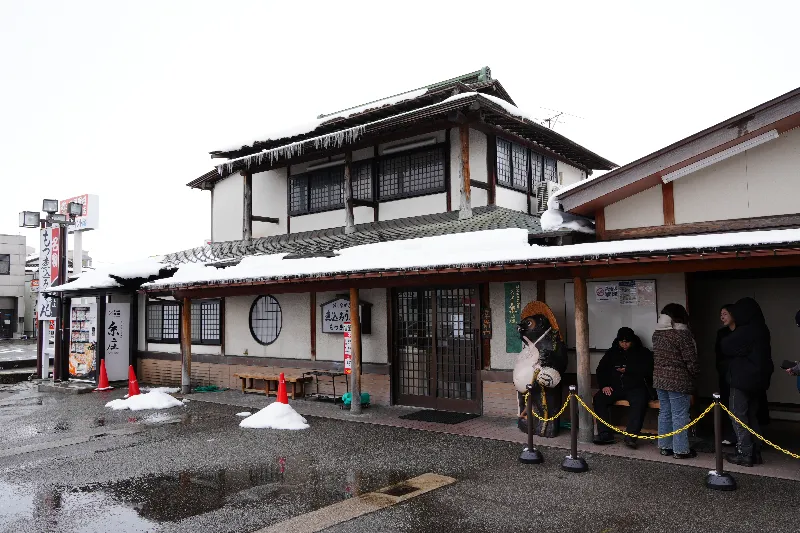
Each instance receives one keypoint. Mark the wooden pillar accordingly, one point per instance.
(247, 210)
(582, 351)
(600, 223)
(465, 207)
(349, 219)
(313, 303)
(186, 346)
(669, 204)
(491, 167)
(540, 290)
(355, 377)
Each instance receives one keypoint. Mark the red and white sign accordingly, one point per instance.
(348, 349)
(90, 217)
(34, 285)
(49, 262)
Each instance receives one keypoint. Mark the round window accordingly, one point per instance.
(265, 320)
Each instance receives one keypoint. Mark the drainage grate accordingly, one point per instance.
(401, 489)
(440, 417)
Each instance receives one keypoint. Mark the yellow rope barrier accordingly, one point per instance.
(745, 426)
(558, 414)
(647, 437)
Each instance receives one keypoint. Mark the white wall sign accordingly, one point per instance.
(90, 218)
(117, 340)
(336, 312)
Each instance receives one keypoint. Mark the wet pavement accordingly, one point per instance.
(17, 351)
(193, 469)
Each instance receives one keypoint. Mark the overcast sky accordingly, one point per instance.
(126, 99)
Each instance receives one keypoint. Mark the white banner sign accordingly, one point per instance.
(117, 339)
(49, 262)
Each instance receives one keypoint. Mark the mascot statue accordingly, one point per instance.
(542, 362)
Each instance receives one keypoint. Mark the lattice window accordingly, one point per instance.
(163, 322)
(171, 330)
(519, 159)
(206, 322)
(298, 195)
(412, 174)
(504, 174)
(155, 321)
(536, 167)
(550, 170)
(362, 180)
(457, 351)
(266, 320)
(326, 189)
(414, 341)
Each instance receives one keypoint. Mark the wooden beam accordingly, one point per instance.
(365, 203)
(582, 353)
(479, 185)
(491, 166)
(465, 206)
(355, 376)
(186, 346)
(313, 303)
(715, 226)
(349, 219)
(247, 208)
(600, 223)
(447, 172)
(541, 290)
(270, 220)
(668, 201)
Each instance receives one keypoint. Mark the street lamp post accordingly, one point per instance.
(32, 219)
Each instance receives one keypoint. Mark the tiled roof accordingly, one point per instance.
(322, 241)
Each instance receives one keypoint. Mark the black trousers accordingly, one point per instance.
(638, 398)
(745, 406)
(728, 432)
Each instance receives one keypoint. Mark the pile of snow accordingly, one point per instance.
(154, 399)
(275, 416)
(554, 219)
(101, 277)
(168, 390)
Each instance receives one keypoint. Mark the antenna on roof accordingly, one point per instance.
(553, 120)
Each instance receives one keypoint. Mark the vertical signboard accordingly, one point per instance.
(348, 349)
(49, 263)
(82, 341)
(513, 310)
(117, 340)
(90, 214)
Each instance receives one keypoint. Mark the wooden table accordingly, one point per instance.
(248, 384)
(333, 374)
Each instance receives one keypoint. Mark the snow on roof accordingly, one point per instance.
(309, 126)
(512, 109)
(336, 138)
(106, 277)
(476, 248)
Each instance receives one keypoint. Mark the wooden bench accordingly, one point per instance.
(248, 384)
(652, 404)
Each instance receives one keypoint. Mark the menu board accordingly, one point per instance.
(83, 341)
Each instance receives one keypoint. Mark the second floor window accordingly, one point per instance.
(516, 163)
(412, 173)
(323, 190)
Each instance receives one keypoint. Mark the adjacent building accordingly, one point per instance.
(12, 286)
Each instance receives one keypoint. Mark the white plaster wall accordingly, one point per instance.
(176, 348)
(500, 359)
(316, 221)
(269, 200)
(227, 209)
(511, 199)
(759, 182)
(640, 210)
(411, 207)
(294, 340)
(438, 135)
(13, 283)
(669, 288)
(330, 346)
(567, 174)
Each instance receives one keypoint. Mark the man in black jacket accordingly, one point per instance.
(624, 373)
(750, 367)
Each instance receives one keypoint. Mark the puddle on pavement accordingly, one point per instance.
(139, 504)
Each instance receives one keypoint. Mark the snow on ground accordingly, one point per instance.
(244, 413)
(154, 399)
(275, 416)
(168, 390)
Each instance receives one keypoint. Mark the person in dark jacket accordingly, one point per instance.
(728, 325)
(750, 369)
(624, 373)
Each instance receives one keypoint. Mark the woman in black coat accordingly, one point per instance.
(624, 373)
(728, 325)
(750, 367)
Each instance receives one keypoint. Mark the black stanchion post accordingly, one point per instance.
(719, 479)
(530, 455)
(572, 462)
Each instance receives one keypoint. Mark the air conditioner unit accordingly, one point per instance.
(544, 191)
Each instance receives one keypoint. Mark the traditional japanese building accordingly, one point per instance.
(429, 207)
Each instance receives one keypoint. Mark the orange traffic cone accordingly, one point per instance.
(133, 385)
(103, 385)
(282, 397)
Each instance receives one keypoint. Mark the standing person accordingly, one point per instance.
(675, 369)
(728, 325)
(750, 369)
(624, 373)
